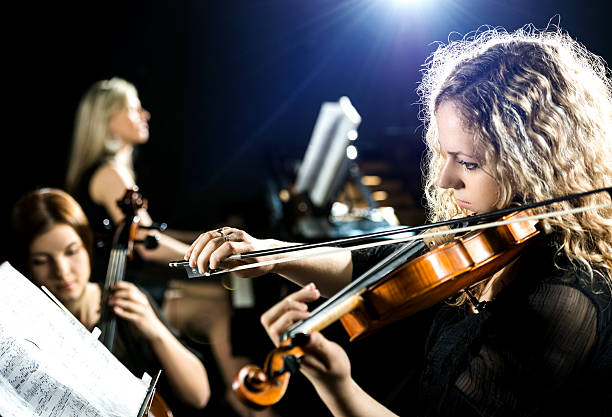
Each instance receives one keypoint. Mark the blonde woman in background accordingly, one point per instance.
(110, 123)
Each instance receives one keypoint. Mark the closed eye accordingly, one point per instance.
(38, 260)
(73, 250)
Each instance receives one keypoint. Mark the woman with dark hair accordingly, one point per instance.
(53, 246)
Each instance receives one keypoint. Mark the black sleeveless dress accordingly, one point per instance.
(152, 276)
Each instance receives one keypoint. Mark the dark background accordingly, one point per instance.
(234, 88)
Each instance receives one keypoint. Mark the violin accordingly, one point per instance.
(404, 283)
(122, 251)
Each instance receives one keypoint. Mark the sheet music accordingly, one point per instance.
(51, 365)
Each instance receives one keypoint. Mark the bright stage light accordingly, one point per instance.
(405, 2)
(351, 152)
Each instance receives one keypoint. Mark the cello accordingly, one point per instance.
(122, 251)
(405, 282)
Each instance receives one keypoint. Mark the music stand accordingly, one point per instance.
(325, 164)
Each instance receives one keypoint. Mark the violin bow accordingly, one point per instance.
(334, 246)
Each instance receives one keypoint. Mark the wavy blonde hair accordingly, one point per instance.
(92, 141)
(539, 104)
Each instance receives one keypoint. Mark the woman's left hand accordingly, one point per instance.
(324, 361)
(131, 304)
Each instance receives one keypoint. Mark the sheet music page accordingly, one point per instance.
(51, 365)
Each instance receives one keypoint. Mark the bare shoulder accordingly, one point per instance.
(109, 183)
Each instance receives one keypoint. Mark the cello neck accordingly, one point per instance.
(114, 273)
(120, 253)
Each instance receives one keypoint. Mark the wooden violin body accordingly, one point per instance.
(437, 275)
(417, 284)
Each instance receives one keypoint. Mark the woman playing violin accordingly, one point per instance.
(511, 118)
(54, 248)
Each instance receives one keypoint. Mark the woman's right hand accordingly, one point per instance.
(324, 361)
(211, 250)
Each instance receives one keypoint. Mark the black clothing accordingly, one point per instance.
(96, 214)
(100, 222)
(152, 276)
(542, 347)
(137, 355)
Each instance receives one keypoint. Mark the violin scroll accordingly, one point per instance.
(260, 388)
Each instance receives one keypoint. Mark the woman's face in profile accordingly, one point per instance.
(463, 171)
(131, 123)
(59, 261)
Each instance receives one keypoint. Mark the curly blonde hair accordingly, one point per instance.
(92, 141)
(540, 106)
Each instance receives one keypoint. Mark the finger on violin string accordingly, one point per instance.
(296, 301)
(285, 321)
